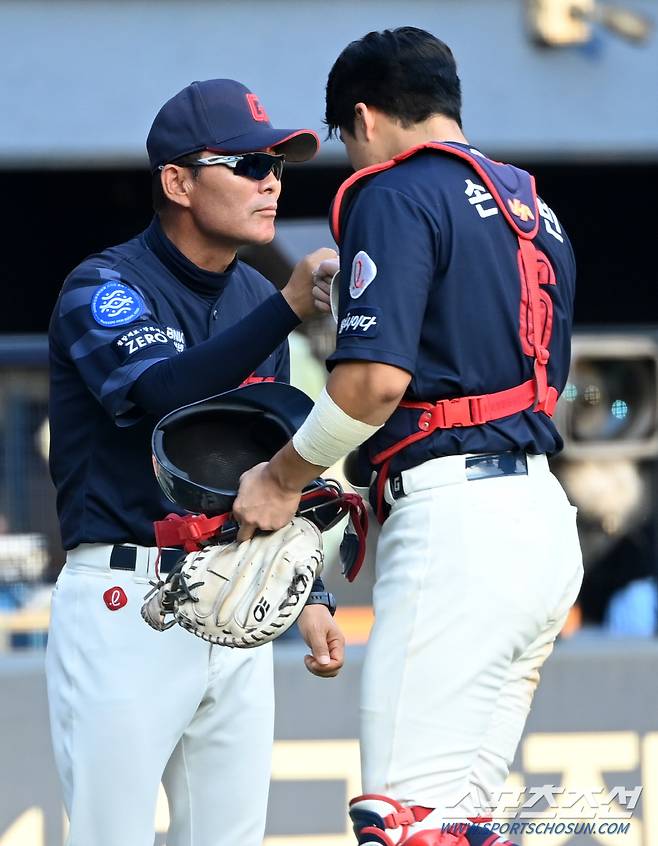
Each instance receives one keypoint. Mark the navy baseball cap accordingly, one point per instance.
(223, 116)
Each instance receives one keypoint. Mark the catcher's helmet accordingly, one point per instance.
(201, 450)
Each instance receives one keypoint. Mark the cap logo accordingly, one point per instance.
(257, 109)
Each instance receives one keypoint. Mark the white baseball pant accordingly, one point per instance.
(130, 707)
(474, 580)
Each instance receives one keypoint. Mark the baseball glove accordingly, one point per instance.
(240, 594)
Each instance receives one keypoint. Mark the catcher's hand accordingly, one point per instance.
(241, 594)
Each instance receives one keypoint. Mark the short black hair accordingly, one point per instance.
(158, 198)
(407, 73)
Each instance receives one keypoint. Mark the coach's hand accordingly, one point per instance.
(262, 503)
(325, 640)
(303, 291)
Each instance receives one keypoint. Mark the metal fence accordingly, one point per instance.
(30, 549)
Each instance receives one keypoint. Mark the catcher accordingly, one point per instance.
(454, 320)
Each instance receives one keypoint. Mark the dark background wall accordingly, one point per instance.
(51, 220)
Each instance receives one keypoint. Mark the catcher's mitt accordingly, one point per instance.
(240, 594)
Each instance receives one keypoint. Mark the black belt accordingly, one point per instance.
(514, 462)
(485, 466)
(125, 558)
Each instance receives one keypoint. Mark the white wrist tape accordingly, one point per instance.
(328, 433)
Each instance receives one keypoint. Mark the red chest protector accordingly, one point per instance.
(516, 197)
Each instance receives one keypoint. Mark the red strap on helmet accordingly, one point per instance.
(346, 503)
(189, 531)
(356, 508)
(358, 525)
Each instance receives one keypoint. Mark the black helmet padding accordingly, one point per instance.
(201, 450)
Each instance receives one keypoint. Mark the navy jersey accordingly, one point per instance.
(430, 283)
(118, 314)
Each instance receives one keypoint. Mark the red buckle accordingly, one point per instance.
(193, 530)
(187, 531)
(400, 818)
(425, 421)
(450, 414)
(549, 403)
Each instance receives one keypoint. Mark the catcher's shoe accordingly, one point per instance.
(460, 835)
(436, 837)
(431, 837)
(382, 821)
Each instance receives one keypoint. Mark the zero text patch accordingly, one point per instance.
(138, 338)
(115, 304)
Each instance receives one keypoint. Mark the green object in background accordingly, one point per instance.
(306, 372)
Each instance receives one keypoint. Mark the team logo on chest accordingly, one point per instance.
(115, 304)
(364, 271)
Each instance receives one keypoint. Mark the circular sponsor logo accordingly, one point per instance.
(115, 303)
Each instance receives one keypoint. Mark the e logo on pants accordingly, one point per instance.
(115, 598)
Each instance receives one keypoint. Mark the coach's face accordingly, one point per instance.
(233, 208)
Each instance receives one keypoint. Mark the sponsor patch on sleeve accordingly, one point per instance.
(139, 338)
(364, 271)
(360, 323)
(115, 304)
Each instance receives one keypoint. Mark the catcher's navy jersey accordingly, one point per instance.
(430, 283)
(118, 314)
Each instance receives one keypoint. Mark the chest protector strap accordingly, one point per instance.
(515, 195)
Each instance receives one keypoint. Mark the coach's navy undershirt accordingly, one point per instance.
(220, 363)
(206, 283)
(137, 331)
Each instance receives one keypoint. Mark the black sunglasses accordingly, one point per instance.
(252, 165)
